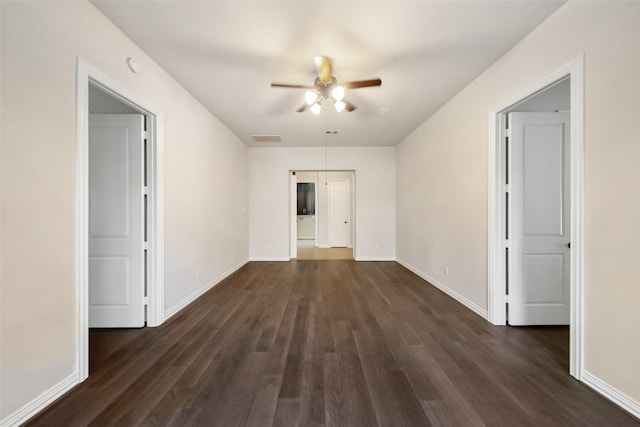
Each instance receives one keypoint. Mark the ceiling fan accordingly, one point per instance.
(326, 87)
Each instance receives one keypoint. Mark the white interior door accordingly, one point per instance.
(339, 213)
(116, 220)
(539, 219)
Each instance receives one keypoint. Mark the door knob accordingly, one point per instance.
(569, 245)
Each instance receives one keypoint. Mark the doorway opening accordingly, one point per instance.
(322, 214)
(528, 244)
(108, 185)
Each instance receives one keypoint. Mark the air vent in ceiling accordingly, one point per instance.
(266, 138)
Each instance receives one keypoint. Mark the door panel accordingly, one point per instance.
(539, 203)
(116, 220)
(103, 272)
(542, 184)
(543, 278)
(339, 213)
(110, 194)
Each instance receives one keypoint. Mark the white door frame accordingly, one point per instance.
(293, 209)
(293, 215)
(87, 73)
(496, 208)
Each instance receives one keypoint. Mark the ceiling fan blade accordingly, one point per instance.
(349, 106)
(302, 108)
(361, 83)
(323, 64)
(291, 86)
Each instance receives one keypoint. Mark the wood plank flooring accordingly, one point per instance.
(330, 343)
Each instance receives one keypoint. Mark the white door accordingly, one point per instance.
(116, 220)
(539, 219)
(339, 213)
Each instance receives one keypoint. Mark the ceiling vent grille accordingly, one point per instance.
(266, 138)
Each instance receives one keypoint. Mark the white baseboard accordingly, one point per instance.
(447, 290)
(375, 258)
(275, 259)
(194, 296)
(324, 247)
(611, 393)
(32, 408)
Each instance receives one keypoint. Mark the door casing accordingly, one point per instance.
(87, 73)
(496, 279)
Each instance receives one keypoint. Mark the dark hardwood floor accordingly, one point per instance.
(330, 343)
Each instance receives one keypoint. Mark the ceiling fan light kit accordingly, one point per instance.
(326, 87)
(316, 108)
(310, 97)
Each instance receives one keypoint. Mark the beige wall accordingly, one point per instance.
(442, 177)
(206, 223)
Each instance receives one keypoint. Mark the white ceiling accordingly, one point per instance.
(226, 53)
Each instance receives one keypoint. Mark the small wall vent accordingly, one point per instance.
(266, 138)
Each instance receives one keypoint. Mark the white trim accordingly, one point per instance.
(86, 73)
(195, 295)
(267, 259)
(447, 290)
(42, 401)
(323, 246)
(614, 395)
(293, 215)
(155, 287)
(496, 268)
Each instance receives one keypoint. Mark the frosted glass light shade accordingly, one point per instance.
(339, 106)
(310, 97)
(315, 109)
(337, 93)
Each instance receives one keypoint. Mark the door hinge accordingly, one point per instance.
(145, 246)
(507, 133)
(506, 243)
(145, 190)
(506, 298)
(145, 301)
